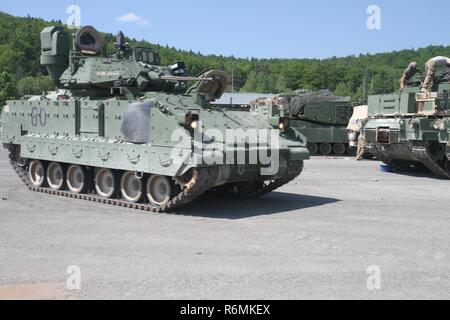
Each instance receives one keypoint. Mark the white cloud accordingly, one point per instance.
(133, 18)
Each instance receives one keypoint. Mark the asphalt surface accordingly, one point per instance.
(313, 239)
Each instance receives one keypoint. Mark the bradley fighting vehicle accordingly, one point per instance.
(410, 129)
(320, 116)
(106, 134)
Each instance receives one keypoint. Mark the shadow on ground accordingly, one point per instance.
(417, 172)
(214, 205)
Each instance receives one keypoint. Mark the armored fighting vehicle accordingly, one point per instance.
(410, 130)
(126, 131)
(321, 117)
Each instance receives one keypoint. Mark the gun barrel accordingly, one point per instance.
(175, 78)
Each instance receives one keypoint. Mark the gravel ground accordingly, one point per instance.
(312, 239)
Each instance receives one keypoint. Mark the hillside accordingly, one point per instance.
(20, 49)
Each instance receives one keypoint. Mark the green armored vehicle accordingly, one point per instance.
(321, 117)
(126, 131)
(410, 129)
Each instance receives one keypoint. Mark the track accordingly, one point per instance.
(294, 170)
(315, 149)
(203, 180)
(422, 155)
(431, 163)
(386, 159)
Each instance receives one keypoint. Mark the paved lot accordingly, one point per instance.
(314, 238)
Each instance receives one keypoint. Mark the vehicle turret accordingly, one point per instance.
(131, 70)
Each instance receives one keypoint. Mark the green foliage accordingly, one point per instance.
(355, 76)
(34, 85)
(7, 90)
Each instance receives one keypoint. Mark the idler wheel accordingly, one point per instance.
(185, 179)
(36, 173)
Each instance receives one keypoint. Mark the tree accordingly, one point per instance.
(343, 89)
(251, 83)
(7, 90)
(282, 85)
(34, 85)
(20, 50)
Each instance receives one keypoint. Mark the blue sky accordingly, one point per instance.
(264, 29)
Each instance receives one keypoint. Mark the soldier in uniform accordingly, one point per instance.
(360, 113)
(409, 72)
(361, 150)
(431, 66)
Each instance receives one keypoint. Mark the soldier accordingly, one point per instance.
(431, 66)
(356, 139)
(361, 151)
(409, 72)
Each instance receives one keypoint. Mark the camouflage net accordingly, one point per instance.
(442, 75)
(301, 98)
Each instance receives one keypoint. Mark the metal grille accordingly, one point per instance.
(383, 135)
(370, 135)
(393, 136)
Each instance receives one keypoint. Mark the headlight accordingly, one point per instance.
(438, 124)
(191, 121)
(194, 125)
(283, 123)
(352, 136)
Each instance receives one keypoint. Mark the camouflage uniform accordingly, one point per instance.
(409, 72)
(431, 66)
(361, 151)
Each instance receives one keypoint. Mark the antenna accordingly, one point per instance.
(365, 87)
(232, 77)
(120, 40)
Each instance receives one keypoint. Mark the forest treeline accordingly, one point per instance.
(355, 76)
